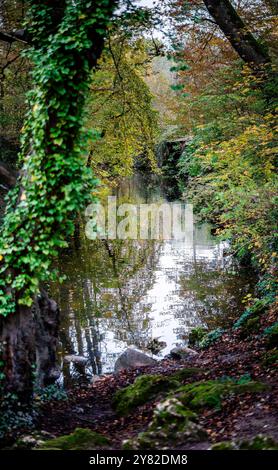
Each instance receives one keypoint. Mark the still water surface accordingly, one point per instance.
(125, 292)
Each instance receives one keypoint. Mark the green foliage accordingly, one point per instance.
(201, 338)
(252, 325)
(80, 439)
(189, 165)
(258, 307)
(211, 338)
(271, 334)
(196, 335)
(121, 109)
(49, 393)
(14, 416)
(54, 182)
(270, 358)
(228, 169)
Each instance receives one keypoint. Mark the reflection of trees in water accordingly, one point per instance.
(105, 282)
(216, 294)
(105, 300)
(133, 271)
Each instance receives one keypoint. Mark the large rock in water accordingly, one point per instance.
(131, 359)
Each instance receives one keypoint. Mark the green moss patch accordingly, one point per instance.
(144, 389)
(80, 439)
(210, 393)
(225, 445)
(259, 442)
(147, 387)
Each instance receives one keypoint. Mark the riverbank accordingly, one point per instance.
(238, 401)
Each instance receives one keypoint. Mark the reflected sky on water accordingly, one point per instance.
(120, 293)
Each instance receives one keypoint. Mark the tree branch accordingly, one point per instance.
(15, 36)
(237, 33)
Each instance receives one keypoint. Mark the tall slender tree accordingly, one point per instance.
(66, 41)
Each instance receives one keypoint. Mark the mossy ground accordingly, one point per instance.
(80, 439)
(174, 418)
(210, 393)
(147, 387)
(259, 442)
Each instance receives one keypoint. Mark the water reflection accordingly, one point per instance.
(127, 292)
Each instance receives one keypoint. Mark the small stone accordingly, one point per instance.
(28, 440)
(181, 352)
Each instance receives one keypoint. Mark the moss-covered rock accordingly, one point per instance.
(80, 439)
(210, 393)
(144, 389)
(147, 387)
(259, 442)
(172, 424)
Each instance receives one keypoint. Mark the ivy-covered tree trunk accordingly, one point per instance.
(66, 40)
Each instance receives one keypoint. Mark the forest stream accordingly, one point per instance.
(138, 231)
(144, 293)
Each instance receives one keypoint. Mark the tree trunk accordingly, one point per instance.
(235, 30)
(29, 341)
(17, 339)
(28, 335)
(46, 318)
